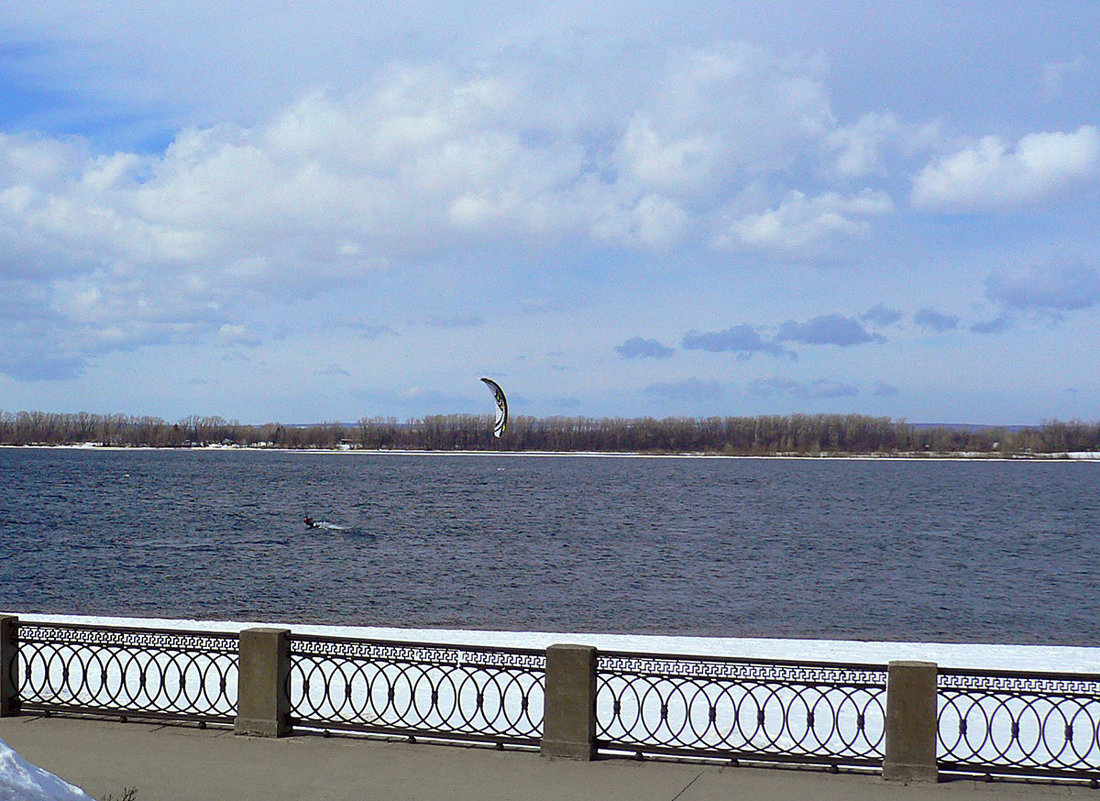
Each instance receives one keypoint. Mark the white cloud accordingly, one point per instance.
(650, 220)
(992, 175)
(420, 160)
(432, 164)
(722, 114)
(801, 222)
(670, 163)
(231, 334)
(862, 149)
(27, 160)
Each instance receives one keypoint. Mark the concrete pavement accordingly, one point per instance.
(179, 763)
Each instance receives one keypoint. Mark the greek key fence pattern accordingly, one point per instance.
(1019, 723)
(177, 675)
(739, 709)
(413, 689)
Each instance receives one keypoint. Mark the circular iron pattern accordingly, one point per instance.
(176, 674)
(828, 714)
(1015, 723)
(494, 695)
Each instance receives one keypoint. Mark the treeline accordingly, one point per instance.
(764, 435)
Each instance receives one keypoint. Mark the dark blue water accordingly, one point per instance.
(916, 550)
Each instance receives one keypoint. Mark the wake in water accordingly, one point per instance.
(325, 525)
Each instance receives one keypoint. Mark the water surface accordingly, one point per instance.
(969, 551)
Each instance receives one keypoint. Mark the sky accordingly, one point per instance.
(328, 211)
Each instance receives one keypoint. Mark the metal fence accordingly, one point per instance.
(810, 713)
(1009, 722)
(987, 722)
(417, 689)
(176, 675)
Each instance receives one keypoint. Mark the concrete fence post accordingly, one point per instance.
(911, 722)
(9, 666)
(263, 708)
(569, 709)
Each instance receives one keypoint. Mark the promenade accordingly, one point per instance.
(182, 763)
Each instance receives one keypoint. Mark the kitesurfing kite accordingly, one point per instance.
(502, 406)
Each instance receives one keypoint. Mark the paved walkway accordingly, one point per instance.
(177, 763)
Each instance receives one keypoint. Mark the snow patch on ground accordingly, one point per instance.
(22, 781)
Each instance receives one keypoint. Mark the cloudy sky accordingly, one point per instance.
(334, 210)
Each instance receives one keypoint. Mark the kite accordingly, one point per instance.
(502, 406)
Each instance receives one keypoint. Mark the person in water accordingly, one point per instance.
(311, 522)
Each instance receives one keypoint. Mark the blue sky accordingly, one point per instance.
(327, 211)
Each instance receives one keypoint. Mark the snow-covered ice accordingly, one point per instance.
(991, 656)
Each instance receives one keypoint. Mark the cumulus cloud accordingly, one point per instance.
(423, 161)
(935, 321)
(723, 112)
(418, 162)
(818, 388)
(801, 222)
(639, 348)
(830, 329)
(997, 325)
(881, 315)
(229, 334)
(1053, 290)
(862, 148)
(994, 175)
(743, 339)
(648, 220)
(28, 160)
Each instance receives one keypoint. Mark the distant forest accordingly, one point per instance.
(798, 434)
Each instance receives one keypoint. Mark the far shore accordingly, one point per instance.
(1063, 456)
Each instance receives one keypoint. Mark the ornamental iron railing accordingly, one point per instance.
(811, 713)
(147, 673)
(1005, 723)
(1009, 722)
(417, 689)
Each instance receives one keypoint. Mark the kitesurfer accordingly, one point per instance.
(311, 522)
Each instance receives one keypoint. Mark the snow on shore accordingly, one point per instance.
(1057, 658)
(920, 456)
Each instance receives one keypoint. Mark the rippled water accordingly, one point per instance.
(919, 550)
